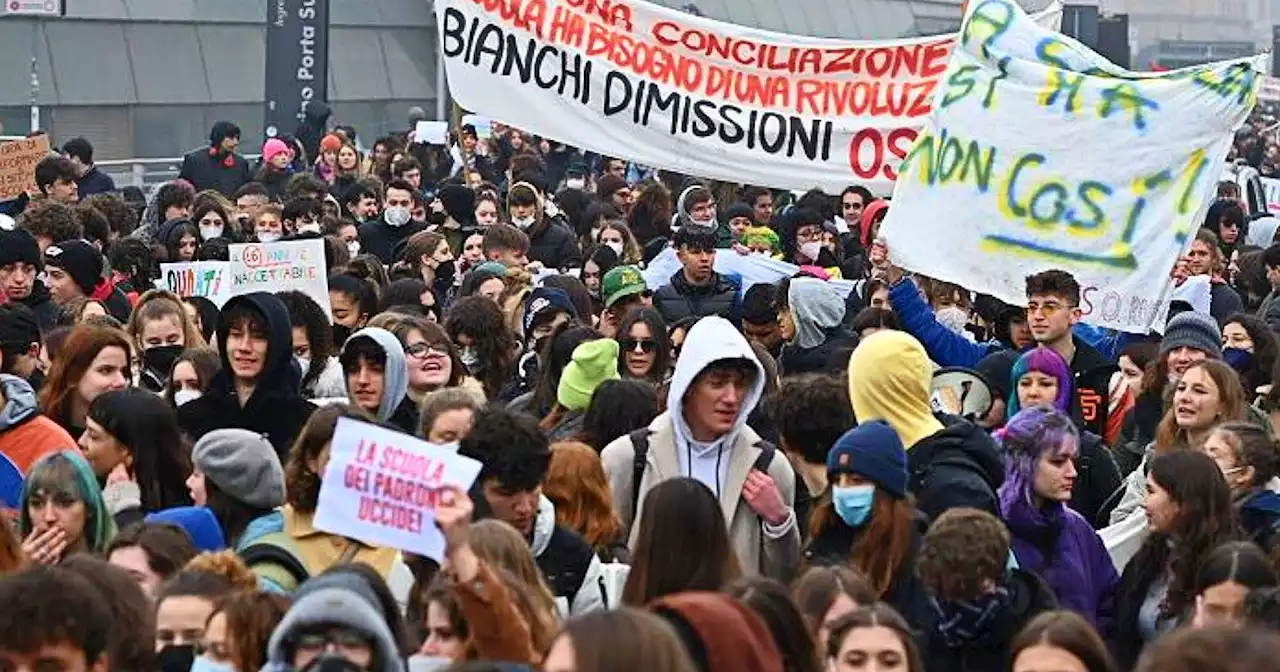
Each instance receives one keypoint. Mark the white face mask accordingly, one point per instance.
(522, 222)
(266, 237)
(183, 396)
(397, 215)
(575, 183)
(353, 247)
(811, 250)
(615, 246)
(210, 231)
(313, 227)
(304, 363)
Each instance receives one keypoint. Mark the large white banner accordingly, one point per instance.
(1041, 154)
(664, 88)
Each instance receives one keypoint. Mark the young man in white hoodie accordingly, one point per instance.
(704, 436)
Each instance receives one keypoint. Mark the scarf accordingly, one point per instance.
(960, 622)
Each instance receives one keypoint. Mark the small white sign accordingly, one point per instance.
(431, 133)
(381, 487)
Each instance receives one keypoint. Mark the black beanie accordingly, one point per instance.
(18, 325)
(18, 245)
(459, 202)
(81, 260)
(757, 304)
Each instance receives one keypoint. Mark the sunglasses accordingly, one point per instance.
(645, 345)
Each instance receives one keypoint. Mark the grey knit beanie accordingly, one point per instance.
(1192, 330)
(242, 464)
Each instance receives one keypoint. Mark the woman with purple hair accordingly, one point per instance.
(1041, 377)
(1048, 537)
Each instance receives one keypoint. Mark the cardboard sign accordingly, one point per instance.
(1040, 154)
(381, 487)
(210, 279)
(276, 267)
(18, 160)
(665, 88)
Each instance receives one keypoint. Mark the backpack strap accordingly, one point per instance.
(640, 462)
(276, 548)
(765, 458)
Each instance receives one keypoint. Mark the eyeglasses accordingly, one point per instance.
(809, 235)
(341, 638)
(1048, 309)
(645, 345)
(423, 349)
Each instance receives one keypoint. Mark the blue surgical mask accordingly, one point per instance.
(853, 502)
(207, 664)
(1238, 358)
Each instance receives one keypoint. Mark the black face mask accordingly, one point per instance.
(436, 218)
(177, 658)
(446, 270)
(160, 359)
(341, 333)
(36, 380)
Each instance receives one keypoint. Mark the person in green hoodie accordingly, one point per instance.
(62, 510)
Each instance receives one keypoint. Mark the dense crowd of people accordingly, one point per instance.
(683, 472)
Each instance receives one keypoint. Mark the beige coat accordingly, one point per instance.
(772, 552)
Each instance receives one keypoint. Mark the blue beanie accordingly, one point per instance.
(873, 451)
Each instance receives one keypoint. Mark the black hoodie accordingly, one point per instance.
(989, 651)
(275, 409)
(958, 466)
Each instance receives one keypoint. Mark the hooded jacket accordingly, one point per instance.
(951, 463)
(1029, 596)
(275, 408)
(820, 345)
(567, 561)
(99, 524)
(1259, 512)
(680, 298)
(721, 633)
(868, 218)
(722, 465)
(342, 599)
(396, 407)
(25, 434)
(1061, 547)
(40, 301)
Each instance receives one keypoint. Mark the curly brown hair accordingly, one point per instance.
(577, 485)
(226, 565)
(251, 618)
(963, 550)
(302, 484)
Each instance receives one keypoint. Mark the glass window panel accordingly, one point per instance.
(167, 63)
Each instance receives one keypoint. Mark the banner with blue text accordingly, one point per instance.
(1040, 154)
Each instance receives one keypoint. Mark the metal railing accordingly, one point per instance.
(147, 174)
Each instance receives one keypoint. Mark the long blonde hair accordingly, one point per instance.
(504, 548)
(157, 304)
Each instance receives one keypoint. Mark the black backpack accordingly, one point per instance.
(640, 443)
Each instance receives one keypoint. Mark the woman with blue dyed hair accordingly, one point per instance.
(1050, 539)
(62, 509)
(1041, 377)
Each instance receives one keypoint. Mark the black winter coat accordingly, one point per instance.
(206, 169)
(679, 299)
(552, 243)
(989, 652)
(1098, 482)
(958, 466)
(831, 356)
(275, 408)
(380, 239)
(906, 594)
(41, 303)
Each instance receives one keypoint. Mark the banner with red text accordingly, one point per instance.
(1043, 155)
(672, 90)
(381, 487)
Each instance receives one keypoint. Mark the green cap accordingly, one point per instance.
(621, 282)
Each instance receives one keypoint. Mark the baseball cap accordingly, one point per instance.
(621, 282)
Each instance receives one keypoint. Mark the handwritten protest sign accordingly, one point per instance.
(381, 487)
(18, 160)
(749, 269)
(665, 88)
(1042, 155)
(275, 267)
(210, 279)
